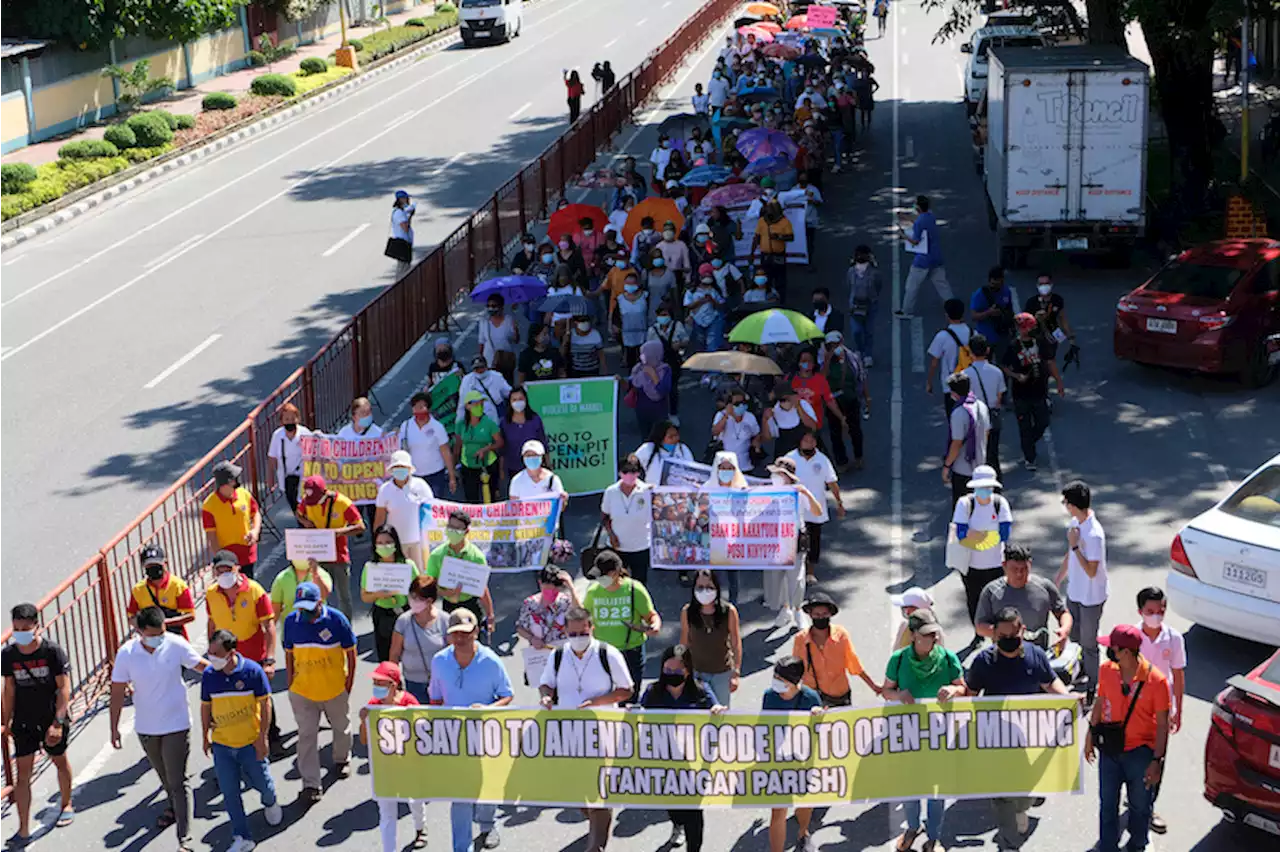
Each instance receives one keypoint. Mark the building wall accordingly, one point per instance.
(14, 132)
(217, 54)
(71, 103)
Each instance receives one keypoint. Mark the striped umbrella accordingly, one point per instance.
(777, 325)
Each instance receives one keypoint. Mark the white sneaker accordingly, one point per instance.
(241, 844)
(785, 617)
(806, 844)
(677, 836)
(869, 361)
(1023, 820)
(802, 621)
(274, 814)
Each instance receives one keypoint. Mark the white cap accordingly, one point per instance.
(401, 458)
(703, 228)
(913, 597)
(834, 337)
(672, 184)
(535, 447)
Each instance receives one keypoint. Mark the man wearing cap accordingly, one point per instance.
(324, 509)
(468, 674)
(235, 715)
(456, 546)
(320, 654)
(1128, 735)
(772, 236)
(389, 691)
(491, 386)
(789, 693)
(908, 602)
(968, 422)
(399, 499)
(827, 652)
(231, 518)
(163, 589)
(427, 441)
(1028, 368)
(847, 376)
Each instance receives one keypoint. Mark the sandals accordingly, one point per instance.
(419, 841)
(906, 840)
(166, 819)
(65, 818)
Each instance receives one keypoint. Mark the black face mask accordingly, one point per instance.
(671, 679)
(155, 572)
(1009, 644)
(822, 623)
(291, 428)
(820, 305)
(807, 453)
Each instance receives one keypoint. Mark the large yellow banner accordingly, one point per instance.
(659, 759)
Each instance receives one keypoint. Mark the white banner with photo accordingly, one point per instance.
(747, 215)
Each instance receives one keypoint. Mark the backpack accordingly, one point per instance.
(558, 658)
(964, 357)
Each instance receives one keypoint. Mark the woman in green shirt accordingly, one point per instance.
(919, 671)
(386, 608)
(622, 612)
(478, 442)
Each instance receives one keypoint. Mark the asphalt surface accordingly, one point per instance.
(1157, 446)
(253, 245)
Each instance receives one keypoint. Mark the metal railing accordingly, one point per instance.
(86, 614)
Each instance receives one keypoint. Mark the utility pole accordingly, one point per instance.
(1244, 98)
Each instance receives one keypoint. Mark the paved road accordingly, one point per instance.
(1157, 446)
(250, 246)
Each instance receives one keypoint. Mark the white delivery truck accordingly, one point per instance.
(489, 21)
(1065, 164)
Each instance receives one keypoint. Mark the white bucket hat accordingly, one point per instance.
(401, 458)
(984, 476)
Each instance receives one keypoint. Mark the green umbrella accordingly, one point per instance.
(776, 325)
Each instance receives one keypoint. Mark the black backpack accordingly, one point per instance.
(558, 658)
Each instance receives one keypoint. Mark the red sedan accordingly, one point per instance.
(1242, 752)
(1213, 309)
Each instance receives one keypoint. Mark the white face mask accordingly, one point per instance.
(518, 404)
(1154, 620)
(228, 580)
(861, 267)
(1044, 289)
(779, 479)
(780, 686)
(705, 596)
(153, 642)
(217, 663)
(580, 644)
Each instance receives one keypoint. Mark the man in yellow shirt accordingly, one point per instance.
(322, 508)
(164, 589)
(773, 233)
(231, 517)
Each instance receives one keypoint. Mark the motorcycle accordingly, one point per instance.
(1066, 659)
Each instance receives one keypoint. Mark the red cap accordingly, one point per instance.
(388, 671)
(706, 269)
(313, 489)
(1123, 636)
(1024, 321)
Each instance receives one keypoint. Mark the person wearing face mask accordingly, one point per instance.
(704, 306)
(664, 443)
(678, 688)
(320, 654)
(908, 602)
(386, 608)
(284, 452)
(585, 349)
(477, 442)
(1084, 568)
(712, 632)
(285, 586)
(164, 589)
(520, 424)
(231, 518)
(660, 158)
(788, 693)
(542, 618)
(492, 387)
(324, 509)
(151, 663)
(1129, 737)
(523, 260)
(825, 317)
(389, 691)
(1012, 666)
(813, 388)
(235, 715)
(925, 245)
(784, 589)
(728, 277)
(772, 236)
(674, 251)
(828, 654)
(1028, 371)
(645, 241)
(865, 285)
(660, 283)
(535, 479)
(587, 674)
(726, 473)
(622, 612)
(456, 546)
(1050, 311)
(818, 475)
(1165, 649)
(917, 672)
(736, 428)
(625, 514)
(361, 425)
(758, 289)
(968, 423)
(499, 336)
(976, 517)
(847, 376)
(561, 283)
(541, 360)
(419, 635)
(725, 230)
(399, 499)
(630, 316)
(443, 366)
(674, 337)
(400, 244)
(426, 440)
(612, 288)
(1035, 598)
(37, 711)
(652, 380)
(810, 196)
(569, 255)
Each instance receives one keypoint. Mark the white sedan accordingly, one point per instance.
(1225, 571)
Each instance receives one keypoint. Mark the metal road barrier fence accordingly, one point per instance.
(86, 612)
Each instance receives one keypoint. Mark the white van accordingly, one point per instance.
(975, 75)
(487, 21)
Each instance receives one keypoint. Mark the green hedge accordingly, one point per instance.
(274, 84)
(219, 100)
(385, 42)
(54, 180)
(151, 129)
(139, 155)
(88, 149)
(313, 65)
(308, 82)
(185, 122)
(15, 176)
(121, 135)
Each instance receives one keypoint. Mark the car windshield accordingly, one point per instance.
(476, 4)
(1271, 674)
(1258, 499)
(1189, 279)
(1006, 41)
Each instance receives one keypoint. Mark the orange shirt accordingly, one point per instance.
(832, 661)
(1154, 699)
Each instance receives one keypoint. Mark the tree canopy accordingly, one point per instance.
(90, 24)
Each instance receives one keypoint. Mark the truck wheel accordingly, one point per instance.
(970, 108)
(1256, 372)
(1122, 256)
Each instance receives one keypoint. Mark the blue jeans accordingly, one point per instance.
(860, 331)
(729, 580)
(418, 689)
(934, 809)
(229, 766)
(708, 339)
(837, 136)
(719, 684)
(461, 815)
(439, 483)
(1125, 770)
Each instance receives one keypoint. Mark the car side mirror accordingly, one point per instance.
(966, 48)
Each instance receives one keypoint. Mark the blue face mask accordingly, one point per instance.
(532, 462)
(671, 448)
(663, 320)
(725, 476)
(631, 288)
(399, 474)
(983, 493)
(762, 280)
(364, 422)
(621, 264)
(740, 408)
(547, 258)
(380, 692)
(717, 263)
(658, 263)
(24, 637)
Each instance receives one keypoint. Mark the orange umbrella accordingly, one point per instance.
(768, 26)
(661, 209)
(799, 22)
(763, 9)
(565, 220)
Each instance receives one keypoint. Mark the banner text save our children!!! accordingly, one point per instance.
(665, 759)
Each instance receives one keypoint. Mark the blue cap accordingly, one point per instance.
(307, 596)
(400, 193)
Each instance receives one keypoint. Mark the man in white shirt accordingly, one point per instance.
(1084, 567)
(490, 384)
(816, 473)
(1164, 648)
(700, 100)
(152, 662)
(737, 428)
(399, 499)
(286, 453)
(944, 351)
(986, 382)
(967, 427)
(427, 441)
(587, 674)
(626, 509)
(718, 90)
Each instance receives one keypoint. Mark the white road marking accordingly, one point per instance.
(312, 138)
(641, 22)
(896, 555)
(910, 152)
(904, 60)
(519, 112)
(333, 249)
(396, 122)
(370, 140)
(447, 163)
(179, 247)
(609, 44)
(917, 345)
(17, 259)
(177, 365)
(99, 760)
(666, 4)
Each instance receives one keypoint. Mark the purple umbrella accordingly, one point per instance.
(514, 289)
(772, 165)
(731, 195)
(762, 142)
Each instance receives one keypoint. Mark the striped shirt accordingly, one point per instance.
(233, 699)
(319, 649)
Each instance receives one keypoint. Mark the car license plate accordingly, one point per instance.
(1243, 575)
(1073, 243)
(481, 33)
(1275, 756)
(1263, 823)
(1162, 325)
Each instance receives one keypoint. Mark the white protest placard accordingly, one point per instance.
(319, 545)
(392, 578)
(535, 660)
(470, 577)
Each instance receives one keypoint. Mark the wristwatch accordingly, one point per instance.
(268, 661)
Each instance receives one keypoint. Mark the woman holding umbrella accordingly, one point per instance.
(724, 231)
(651, 379)
(499, 337)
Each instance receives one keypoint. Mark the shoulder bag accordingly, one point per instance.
(1108, 737)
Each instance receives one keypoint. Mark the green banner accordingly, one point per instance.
(658, 759)
(444, 401)
(581, 420)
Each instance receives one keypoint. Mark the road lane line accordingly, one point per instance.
(904, 60)
(447, 163)
(609, 44)
(179, 247)
(23, 257)
(519, 112)
(641, 22)
(336, 247)
(185, 359)
(292, 151)
(917, 345)
(896, 560)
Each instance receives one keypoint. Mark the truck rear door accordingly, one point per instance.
(1037, 166)
(1112, 109)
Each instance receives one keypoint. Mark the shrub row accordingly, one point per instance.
(309, 82)
(385, 42)
(314, 65)
(274, 84)
(54, 180)
(15, 176)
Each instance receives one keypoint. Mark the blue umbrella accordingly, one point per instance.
(775, 164)
(706, 175)
(514, 289)
(566, 304)
(760, 93)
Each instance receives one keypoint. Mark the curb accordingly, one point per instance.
(74, 205)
